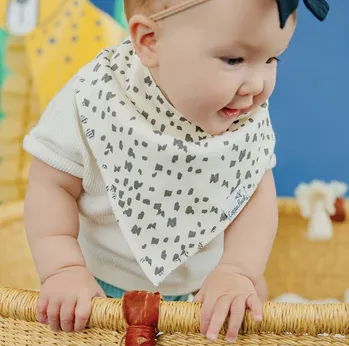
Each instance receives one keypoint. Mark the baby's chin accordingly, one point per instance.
(216, 129)
(218, 123)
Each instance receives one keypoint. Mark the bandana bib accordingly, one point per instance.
(172, 187)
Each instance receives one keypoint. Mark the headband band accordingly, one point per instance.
(319, 8)
(175, 9)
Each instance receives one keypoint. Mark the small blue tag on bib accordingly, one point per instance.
(235, 202)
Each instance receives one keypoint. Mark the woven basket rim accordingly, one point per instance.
(184, 317)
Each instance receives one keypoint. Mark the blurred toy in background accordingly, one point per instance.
(321, 203)
(340, 190)
(22, 16)
(67, 34)
(46, 43)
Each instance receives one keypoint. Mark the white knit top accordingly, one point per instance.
(157, 191)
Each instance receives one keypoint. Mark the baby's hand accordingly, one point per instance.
(65, 299)
(223, 294)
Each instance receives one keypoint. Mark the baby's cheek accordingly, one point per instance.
(265, 94)
(269, 85)
(219, 96)
(260, 99)
(205, 99)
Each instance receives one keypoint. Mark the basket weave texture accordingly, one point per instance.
(314, 270)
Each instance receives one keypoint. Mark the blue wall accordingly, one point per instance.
(106, 5)
(309, 107)
(114, 8)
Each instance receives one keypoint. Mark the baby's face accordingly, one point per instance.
(218, 60)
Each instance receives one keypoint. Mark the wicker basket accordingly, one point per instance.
(314, 270)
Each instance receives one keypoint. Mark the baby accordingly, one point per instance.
(152, 166)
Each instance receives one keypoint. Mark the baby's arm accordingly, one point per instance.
(247, 245)
(51, 219)
(249, 239)
(52, 227)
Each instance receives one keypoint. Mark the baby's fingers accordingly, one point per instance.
(219, 316)
(237, 313)
(41, 309)
(207, 309)
(82, 313)
(53, 314)
(67, 315)
(255, 305)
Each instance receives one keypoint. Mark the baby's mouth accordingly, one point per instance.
(230, 113)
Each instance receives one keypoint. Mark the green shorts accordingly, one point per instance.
(115, 292)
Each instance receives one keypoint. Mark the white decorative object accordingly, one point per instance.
(339, 188)
(22, 16)
(317, 203)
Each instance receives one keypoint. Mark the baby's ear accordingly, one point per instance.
(143, 35)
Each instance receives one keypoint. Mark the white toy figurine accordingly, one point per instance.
(316, 201)
(22, 16)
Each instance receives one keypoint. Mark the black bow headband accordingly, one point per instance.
(319, 8)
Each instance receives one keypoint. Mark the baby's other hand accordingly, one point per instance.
(65, 299)
(226, 293)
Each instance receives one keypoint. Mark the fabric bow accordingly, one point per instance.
(319, 8)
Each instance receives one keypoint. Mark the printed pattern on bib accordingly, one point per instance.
(171, 185)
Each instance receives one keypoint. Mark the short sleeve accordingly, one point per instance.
(57, 138)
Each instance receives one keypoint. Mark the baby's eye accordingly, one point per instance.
(233, 61)
(269, 61)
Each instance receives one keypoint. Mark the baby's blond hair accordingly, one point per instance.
(136, 6)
